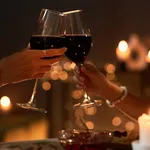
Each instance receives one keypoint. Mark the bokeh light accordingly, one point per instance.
(5, 103)
(129, 126)
(123, 46)
(63, 75)
(90, 125)
(77, 94)
(73, 65)
(46, 85)
(91, 110)
(122, 51)
(148, 57)
(116, 121)
(67, 66)
(54, 75)
(110, 68)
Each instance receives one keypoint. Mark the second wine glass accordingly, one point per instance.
(78, 41)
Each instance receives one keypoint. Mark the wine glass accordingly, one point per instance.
(78, 41)
(47, 36)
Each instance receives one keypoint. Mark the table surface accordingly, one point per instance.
(51, 144)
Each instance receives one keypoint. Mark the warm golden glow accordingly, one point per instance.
(77, 94)
(67, 66)
(110, 76)
(63, 75)
(91, 110)
(110, 68)
(90, 125)
(46, 86)
(122, 50)
(57, 68)
(79, 113)
(148, 57)
(123, 46)
(116, 121)
(5, 103)
(73, 65)
(54, 75)
(129, 126)
(34, 131)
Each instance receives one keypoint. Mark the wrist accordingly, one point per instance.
(112, 91)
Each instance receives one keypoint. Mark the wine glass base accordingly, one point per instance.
(29, 106)
(88, 104)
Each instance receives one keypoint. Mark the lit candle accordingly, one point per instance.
(144, 129)
(148, 57)
(123, 51)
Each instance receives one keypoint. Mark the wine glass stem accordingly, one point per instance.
(80, 66)
(32, 99)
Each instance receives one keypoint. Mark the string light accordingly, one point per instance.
(116, 121)
(46, 86)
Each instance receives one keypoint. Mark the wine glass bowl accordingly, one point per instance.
(46, 37)
(78, 40)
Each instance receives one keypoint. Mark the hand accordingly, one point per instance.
(27, 64)
(93, 81)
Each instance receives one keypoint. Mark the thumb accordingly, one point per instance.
(89, 69)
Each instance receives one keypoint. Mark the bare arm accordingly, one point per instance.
(132, 105)
(91, 79)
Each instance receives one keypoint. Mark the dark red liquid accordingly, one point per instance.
(45, 42)
(78, 47)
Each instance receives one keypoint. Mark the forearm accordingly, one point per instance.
(134, 106)
(131, 105)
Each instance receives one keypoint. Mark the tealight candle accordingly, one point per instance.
(144, 129)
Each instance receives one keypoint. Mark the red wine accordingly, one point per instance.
(78, 47)
(45, 42)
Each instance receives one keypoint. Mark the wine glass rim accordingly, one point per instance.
(71, 12)
(50, 10)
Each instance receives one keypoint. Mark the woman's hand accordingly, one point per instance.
(27, 64)
(93, 81)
